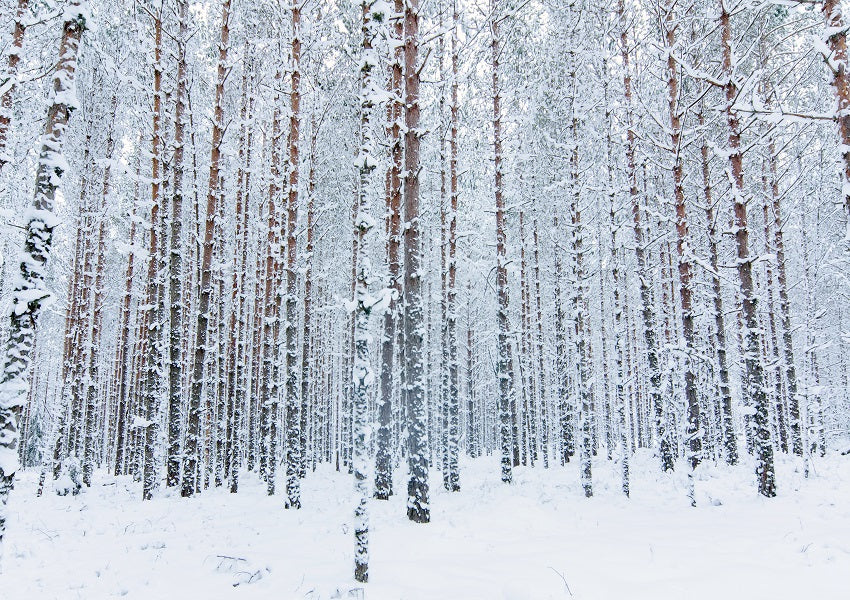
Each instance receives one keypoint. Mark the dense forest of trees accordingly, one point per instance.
(382, 234)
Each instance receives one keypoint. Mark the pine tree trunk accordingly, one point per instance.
(541, 371)
(785, 309)
(153, 318)
(30, 290)
(175, 259)
(418, 508)
(237, 356)
(10, 82)
(504, 367)
(754, 372)
(293, 401)
(619, 401)
(124, 357)
(383, 459)
(683, 244)
(362, 374)
(307, 363)
(730, 443)
(451, 292)
(648, 311)
(271, 310)
(190, 464)
(838, 64)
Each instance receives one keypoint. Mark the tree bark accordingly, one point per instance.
(418, 508)
(293, 400)
(754, 371)
(9, 83)
(504, 367)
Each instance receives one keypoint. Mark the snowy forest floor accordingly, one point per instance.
(526, 541)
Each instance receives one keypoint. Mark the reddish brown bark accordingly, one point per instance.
(11, 81)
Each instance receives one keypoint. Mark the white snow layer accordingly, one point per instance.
(538, 538)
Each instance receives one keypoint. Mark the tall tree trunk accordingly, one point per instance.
(418, 508)
(778, 398)
(567, 440)
(383, 459)
(307, 361)
(451, 292)
(837, 62)
(150, 399)
(190, 465)
(541, 369)
(237, 351)
(647, 304)
(730, 444)
(785, 308)
(175, 259)
(30, 290)
(293, 401)
(362, 374)
(754, 371)
(504, 368)
(683, 243)
(123, 363)
(9, 81)
(619, 331)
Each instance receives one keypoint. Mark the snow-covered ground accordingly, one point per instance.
(536, 539)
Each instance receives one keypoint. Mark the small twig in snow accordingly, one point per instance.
(564, 579)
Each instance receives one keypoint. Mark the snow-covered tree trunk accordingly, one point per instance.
(123, 362)
(566, 441)
(293, 400)
(539, 341)
(214, 192)
(268, 385)
(9, 81)
(579, 303)
(176, 335)
(374, 15)
(237, 355)
(619, 333)
(837, 62)
(307, 409)
(451, 291)
(383, 459)
(683, 238)
(504, 365)
(30, 292)
(754, 370)
(790, 371)
(647, 304)
(418, 508)
(730, 444)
